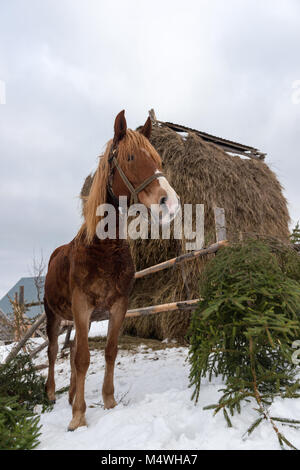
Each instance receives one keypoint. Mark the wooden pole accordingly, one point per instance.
(180, 259)
(21, 296)
(39, 348)
(152, 309)
(27, 335)
(220, 224)
(152, 115)
(45, 344)
(181, 305)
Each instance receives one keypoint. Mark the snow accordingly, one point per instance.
(154, 408)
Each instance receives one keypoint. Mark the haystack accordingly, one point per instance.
(201, 173)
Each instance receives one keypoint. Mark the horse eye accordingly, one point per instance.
(130, 157)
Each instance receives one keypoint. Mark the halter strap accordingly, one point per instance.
(133, 191)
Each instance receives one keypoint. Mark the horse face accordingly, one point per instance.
(139, 161)
(159, 195)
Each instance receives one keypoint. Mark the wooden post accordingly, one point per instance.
(28, 335)
(21, 296)
(185, 281)
(17, 328)
(220, 224)
(152, 115)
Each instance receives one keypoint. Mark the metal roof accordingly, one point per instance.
(30, 296)
(227, 145)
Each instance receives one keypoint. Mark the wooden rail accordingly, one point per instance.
(27, 335)
(181, 305)
(180, 259)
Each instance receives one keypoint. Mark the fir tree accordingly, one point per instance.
(295, 235)
(244, 328)
(21, 389)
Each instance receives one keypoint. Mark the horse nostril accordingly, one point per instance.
(163, 200)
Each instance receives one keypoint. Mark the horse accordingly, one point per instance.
(90, 278)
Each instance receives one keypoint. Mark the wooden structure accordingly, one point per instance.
(151, 310)
(225, 144)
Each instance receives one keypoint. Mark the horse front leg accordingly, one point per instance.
(117, 314)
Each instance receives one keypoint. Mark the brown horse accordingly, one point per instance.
(91, 278)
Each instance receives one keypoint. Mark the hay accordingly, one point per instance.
(201, 173)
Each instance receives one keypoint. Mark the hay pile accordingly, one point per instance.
(201, 173)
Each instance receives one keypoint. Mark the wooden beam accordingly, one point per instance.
(180, 259)
(152, 309)
(33, 304)
(44, 345)
(27, 335)
(39, 348)
(181, 305)
(137, 312)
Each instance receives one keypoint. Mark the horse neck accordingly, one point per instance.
(117, 239)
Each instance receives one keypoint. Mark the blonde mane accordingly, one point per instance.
(98, 192)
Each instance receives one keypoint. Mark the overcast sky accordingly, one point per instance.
(69, 66)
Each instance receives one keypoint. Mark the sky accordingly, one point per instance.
(67, 67)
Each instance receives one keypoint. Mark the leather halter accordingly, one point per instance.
(113, 162)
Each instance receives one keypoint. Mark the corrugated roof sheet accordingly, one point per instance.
(30, 295)
(227, 145)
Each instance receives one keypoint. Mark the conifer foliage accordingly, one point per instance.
(244, 329)
(295, 235)
(21, 389)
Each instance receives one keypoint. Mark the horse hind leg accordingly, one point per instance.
(116, 319)
(53, 323)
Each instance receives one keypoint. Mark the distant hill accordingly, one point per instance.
(30, 295)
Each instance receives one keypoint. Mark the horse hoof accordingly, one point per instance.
(109, 404)
(76, 423)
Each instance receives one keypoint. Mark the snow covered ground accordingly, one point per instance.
(155, 410)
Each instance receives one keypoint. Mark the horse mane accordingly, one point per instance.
(98, 192)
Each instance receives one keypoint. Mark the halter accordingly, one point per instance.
(113, 162)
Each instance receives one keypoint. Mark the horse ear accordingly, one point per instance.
(120, 126)
(147, 128)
